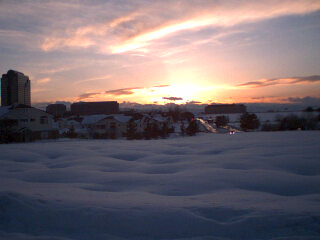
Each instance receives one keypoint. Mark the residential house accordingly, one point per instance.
(112, 126)
(158, 119)
(27, 123)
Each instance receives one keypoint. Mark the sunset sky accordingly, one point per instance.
(149, 51)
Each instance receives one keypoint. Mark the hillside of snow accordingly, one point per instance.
(258, 185)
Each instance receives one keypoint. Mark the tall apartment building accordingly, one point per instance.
(15, 89)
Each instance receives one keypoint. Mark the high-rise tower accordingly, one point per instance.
(15, 89)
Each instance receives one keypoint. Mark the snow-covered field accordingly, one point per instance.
(213, 186)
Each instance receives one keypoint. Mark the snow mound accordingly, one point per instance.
(212, 186)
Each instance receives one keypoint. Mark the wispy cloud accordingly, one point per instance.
(137, 28)
(50, 70)
(43, 80)
(305, 100)
(161, 86)
(173, 98)
(217, 15)
(79, 41)
(105, 77)
(194, 102)
(281, 81)
(122, 91)
(88, 95)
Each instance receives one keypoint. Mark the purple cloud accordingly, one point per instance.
(281, 81)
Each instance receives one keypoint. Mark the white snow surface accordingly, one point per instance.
(258, 185)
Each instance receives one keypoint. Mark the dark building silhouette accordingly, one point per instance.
(56, 110)
(15, 89)
(90, 108)
(225, 108)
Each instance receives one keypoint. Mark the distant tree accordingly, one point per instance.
(193, 128)
(155, 132)
(164, 130)
(308, 109)
(175, 113)
(278, 118)
(147, 132)
(221, 121)
(249, 121)
(187, 116)
(311, 124)
(71, 133)
(182, 129)
(293, 122)
(131, 130)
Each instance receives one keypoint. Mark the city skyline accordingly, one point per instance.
(164, 51)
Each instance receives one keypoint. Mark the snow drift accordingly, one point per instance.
(212, 186)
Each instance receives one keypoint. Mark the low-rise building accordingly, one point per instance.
(113, 126)
(27, 123)
(91, 108)
(157, 119)
(225, 108)
(57, 110)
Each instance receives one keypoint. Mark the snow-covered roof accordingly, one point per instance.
(73, 122)
(91, 119)
(159, 118)
(4, 110)
(122, 118)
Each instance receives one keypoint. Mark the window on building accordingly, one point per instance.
(32, 120)
(43, 120)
